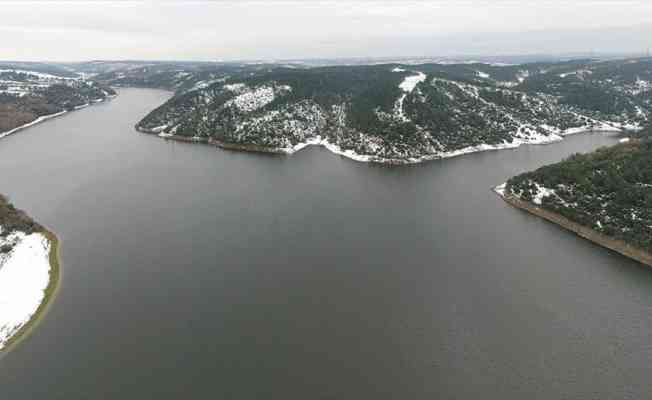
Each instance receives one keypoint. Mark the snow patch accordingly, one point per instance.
(410, 82)
(235, 87)
(256, 98)
(333, 148)
(500, 189)
(24, 277)
(252, 100)
(542, 192)
(408, 85)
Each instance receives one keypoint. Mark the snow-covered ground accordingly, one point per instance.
(524, 136)
(410, 82)
(235, 87)
(500, 189)
(542, 192)
(24, 277)
(407, 86)
(333, 148)
(256, 98)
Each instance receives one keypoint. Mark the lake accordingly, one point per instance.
(191, 272)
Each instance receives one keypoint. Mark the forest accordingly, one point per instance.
(14, 220)
(37, 101)
(364, 108)
(609, 190)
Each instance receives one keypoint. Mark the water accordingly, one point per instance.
(190, 272)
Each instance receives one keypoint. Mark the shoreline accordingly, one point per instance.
(44, 118)
(54, 258)
(214, 142)
(582, 231)
(335, 149)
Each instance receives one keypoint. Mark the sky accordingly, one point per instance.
(275, 30)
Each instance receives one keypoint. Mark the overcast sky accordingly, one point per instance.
(231, 30)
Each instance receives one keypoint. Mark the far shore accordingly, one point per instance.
(48, 295)
(371, 158)
(214, 142)
(44, 118)
(585, 232)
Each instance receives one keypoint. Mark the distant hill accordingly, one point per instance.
(30, 91)
(394, 113)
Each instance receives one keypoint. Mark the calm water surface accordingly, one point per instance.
(191, 272)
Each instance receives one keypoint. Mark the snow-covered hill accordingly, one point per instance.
(408, 113)
(28, 97)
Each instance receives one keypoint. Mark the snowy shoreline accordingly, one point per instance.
(455, 153)
(50, 116)
(29, 275)
(333, 148)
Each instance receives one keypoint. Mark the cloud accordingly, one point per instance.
(294, 29)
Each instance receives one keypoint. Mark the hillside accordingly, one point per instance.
(175, 76)
(13, 220)
(400, 114)
(609, 191)
(27, 95)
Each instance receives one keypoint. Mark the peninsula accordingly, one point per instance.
(604, 196)
(29, 272)
(394, 113)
